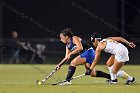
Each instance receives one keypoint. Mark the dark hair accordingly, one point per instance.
(95, 35)
(67, 32)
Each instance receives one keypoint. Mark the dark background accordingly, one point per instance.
(56, 15)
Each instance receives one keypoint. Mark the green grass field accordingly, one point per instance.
(22, 78)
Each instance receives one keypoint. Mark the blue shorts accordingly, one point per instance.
(89, 55)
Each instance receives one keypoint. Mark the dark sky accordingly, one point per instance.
(58, 14)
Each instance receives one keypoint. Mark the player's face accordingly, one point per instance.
(63, 38)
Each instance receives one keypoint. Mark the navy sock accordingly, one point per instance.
(71, 71)
(102, 74)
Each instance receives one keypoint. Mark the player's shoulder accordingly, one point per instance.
(102, 44)
(104, 40)
(75, 37)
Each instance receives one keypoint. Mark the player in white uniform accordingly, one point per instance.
(118, 58)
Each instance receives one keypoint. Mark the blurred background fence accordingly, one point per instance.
(53, 52)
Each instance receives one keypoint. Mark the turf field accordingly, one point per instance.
(21, 79)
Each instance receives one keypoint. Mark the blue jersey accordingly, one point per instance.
(71, 46)
(87, 52)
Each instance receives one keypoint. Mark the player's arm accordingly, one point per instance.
(98, 50)
(120, 39)
(79, 46)
(97, 56)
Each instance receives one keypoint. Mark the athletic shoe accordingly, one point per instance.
(112, 81)
(65, 83)
(130, 82)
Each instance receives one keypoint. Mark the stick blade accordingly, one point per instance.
(59, 82)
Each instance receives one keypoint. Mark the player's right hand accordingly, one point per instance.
(57, 67)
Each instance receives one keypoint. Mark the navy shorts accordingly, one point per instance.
(89, 55)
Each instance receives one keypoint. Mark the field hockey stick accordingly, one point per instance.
(38, 82)
(70, 79)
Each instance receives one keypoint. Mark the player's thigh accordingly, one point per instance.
(78, 61)
(110, 61)
(117, 65)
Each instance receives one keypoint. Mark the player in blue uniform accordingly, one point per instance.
(75, 45)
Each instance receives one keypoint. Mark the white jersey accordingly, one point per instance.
(110, 46)
(117, 49)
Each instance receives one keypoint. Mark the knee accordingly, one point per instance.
(73, 63)
(109, 64)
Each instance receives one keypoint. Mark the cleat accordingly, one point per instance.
(65, 83)
(130, 82)
(112, 81)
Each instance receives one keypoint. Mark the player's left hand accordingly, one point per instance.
(88, 72)
(132, 45)
(69, 55)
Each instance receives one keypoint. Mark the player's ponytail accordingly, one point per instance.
(67, 32)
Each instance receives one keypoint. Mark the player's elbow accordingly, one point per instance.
(80, 49)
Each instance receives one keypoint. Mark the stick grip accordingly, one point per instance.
(64, 62)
